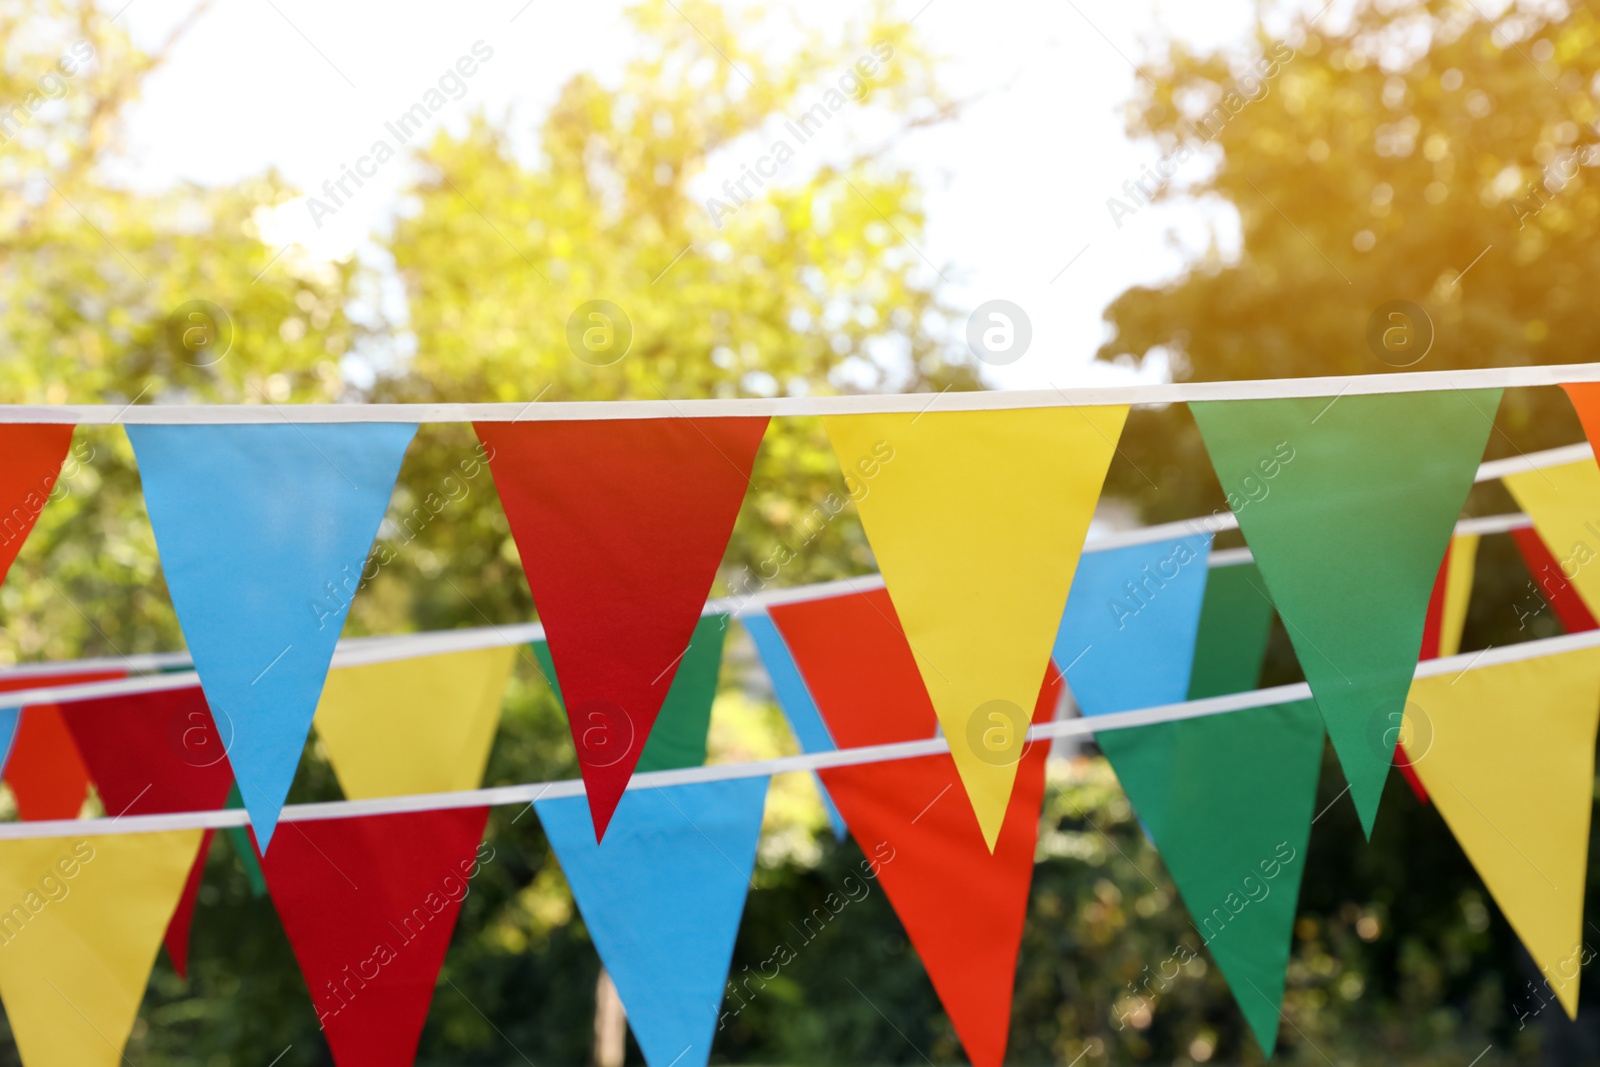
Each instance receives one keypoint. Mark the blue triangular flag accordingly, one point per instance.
(1127, 636)
(263, 532)
(9, 718)
(794, 697)
(662, 898)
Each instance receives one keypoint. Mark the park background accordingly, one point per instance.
(1400, 151)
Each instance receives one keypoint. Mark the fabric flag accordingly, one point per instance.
(79, 939)
(621, 524)
(30, 461)
(421, 725)
(264, 533)
(1235, 626)
(1228, 801)
(1585, 398)
(1347, 504)
(368, 904)
(42, 765)
(153, 753)
(662, 898)
(1507, 752)
(678, 738)
(962, 907)
(977, 519)
(1127, 637)
(805, 721)
(1564, 504)
(244, 848)
(1552, 587)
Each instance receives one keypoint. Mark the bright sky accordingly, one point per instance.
(1017, 186)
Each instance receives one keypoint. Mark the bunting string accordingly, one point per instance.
(857, 404)
(528, 793)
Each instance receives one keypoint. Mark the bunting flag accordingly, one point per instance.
(30, 461)
(1564, 504)
(1128, 634)
(678, 738)
(662, 898)
(244, 848)
(1348, 504)
(977, 519)
(153, 753)
(621, 524)
(1507, 752)
(83, 921)
(420, 725)
(799, 710)
(1585, 398)
(1235, 626)
(1228, 801)
(368, 904)
(45, 771)
(962, 907)
(264, 532)
(1548, 586)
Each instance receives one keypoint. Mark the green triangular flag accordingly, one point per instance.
(1348, 503)
(1227, 800)
(1235, 624)
(678, 738)
(244, 848)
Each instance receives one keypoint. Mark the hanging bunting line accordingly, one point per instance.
(984, 400)
(529, 792)
(361, 651)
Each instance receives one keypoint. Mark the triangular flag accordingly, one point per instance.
(1507, 753)
(1548, 586)
(976, 519)
(76, 947)
(421, 725)
(865, 698)
(244, 848)
(662, 898)
(263, 533)
(1564, 504)
(30, 461)
(1235, 626)
(45, 771)
(369, 904)
(153, 753)
(962, 907)
(1585, 397)
(621, 524)
(794, 699)
(1347, 503)
(678, 738)
(1228, 801)
(1127, 636)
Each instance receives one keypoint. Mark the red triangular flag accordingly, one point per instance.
(30, 462)
(153, 753)
(621, 526)
(962, 907)
(1551, 584)
(44, 769)
(369, 904)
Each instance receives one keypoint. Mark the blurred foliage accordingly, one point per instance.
(1394, 147)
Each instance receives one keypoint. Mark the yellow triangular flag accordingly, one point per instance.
(81, 919)
(1507, 754)
(1458, 577)
(1564, 504)
(977, 519)
(420, 725)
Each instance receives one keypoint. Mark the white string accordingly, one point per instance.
(983, 400)
(526, 794)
